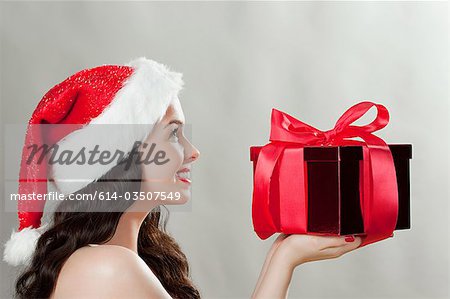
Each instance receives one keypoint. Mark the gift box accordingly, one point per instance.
(312, 182)
(332, 182)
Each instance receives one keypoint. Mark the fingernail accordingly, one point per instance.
(349, 239)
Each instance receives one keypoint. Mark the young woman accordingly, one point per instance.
(122, 250)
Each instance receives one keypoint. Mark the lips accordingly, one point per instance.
(184, 175)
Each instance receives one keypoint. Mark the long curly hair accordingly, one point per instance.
(70, 230)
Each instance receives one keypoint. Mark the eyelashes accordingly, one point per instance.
(174, 133)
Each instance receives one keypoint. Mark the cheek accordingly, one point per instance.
(161, 178)
(173, 152)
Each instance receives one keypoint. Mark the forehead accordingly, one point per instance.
(174, 111)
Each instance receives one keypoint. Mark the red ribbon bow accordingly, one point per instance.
(379, 200)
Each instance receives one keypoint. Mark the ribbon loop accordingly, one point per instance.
(286, 128)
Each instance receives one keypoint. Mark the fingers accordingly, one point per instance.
(355, 244)
(339, 241)
(337, 251)
(330, 241)
(352, 245)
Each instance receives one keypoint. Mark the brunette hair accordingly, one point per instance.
(71, 230)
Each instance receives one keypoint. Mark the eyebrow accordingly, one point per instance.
(174, 121)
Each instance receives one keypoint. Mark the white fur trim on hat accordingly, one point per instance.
(20, 247)
(143, 100)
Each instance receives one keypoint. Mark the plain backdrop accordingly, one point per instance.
(240, 59)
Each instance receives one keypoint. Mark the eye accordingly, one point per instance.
(174, 133)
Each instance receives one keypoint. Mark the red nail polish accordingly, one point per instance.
(349, 239)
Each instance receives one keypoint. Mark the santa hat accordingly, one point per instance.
(136, 93)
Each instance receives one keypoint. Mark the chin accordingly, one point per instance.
(184, 198)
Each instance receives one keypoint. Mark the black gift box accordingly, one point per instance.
(333, 176)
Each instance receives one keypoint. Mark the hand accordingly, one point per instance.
(298, 249)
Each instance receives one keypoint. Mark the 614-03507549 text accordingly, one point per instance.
(99, 196)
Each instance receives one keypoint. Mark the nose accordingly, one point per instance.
(192, 153)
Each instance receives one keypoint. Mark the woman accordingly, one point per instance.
(119, 248)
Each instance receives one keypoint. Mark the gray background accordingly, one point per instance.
(312, 60)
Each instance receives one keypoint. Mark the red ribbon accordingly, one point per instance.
(379, 197)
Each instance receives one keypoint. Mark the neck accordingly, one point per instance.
(127, 231)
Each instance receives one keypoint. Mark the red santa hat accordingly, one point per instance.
(136, 93)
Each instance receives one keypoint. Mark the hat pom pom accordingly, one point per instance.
(20, 247)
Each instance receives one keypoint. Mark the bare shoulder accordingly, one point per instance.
(107, 271)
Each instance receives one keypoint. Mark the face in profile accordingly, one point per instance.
(168, 179)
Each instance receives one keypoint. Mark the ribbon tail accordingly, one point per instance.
(380, 197)
(262, 219)
(293, 192)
